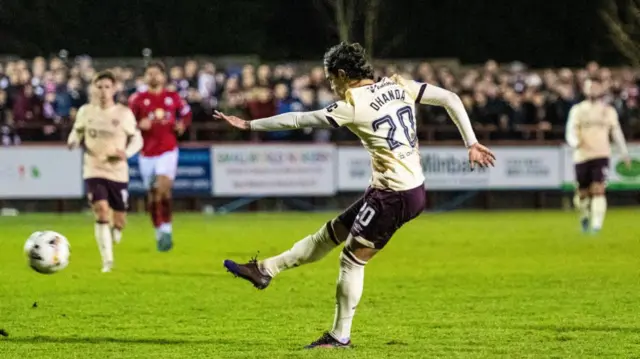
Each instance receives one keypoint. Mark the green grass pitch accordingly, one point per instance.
(459, 285)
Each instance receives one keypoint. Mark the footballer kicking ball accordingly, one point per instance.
(47, 252)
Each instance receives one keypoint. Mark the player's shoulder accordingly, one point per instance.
(171, 98)
(137, 96)
(340, 106)
(171, 94)
(580, 105)
(122, 108)
(612, 113)
(85, 108)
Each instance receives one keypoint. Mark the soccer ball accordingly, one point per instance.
(47, 252)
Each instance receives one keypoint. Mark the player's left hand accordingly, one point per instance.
(234, 121)
(481, 155)
(180, 128)
(120, 155)
(627, 162)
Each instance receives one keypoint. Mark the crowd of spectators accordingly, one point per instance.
(39, 97)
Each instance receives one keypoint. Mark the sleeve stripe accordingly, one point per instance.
(421, 92)
(332, 122)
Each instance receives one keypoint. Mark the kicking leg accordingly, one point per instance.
(308, 250)
(598, 206)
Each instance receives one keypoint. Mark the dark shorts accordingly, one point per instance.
(592, 171)
(380, 213)
(116, 193)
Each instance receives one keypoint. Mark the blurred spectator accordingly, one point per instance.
(284, 102)
(27, 114)
(178, 81)
(260, 104)
(504, 102)
(264, 76)
(191, 73)
(8, 135)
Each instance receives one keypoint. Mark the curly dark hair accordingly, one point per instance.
(350, 58)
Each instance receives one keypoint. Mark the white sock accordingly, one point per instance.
(598, 211)
(308, 250)
(97, 230)
(103, 236)
(166, 228)
(348, 294)
(116, 234)
(583, 205)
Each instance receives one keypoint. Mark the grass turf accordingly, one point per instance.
(461, 285)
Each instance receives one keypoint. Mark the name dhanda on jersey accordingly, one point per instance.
(381, 100)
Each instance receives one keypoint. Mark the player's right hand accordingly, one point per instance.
(144, 124)
(234, 121)
(481, 155)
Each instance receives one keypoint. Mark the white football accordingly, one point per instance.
(47, 252)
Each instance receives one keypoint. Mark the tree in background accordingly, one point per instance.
(622, 17)
(349, 15)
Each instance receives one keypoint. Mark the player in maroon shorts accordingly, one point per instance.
(381, 114)
(161, 114)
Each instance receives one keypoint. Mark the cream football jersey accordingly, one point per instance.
(382, 115)
(590, 126)
(105, 131)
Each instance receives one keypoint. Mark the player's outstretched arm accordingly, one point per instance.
(437, 96)
(285, 121)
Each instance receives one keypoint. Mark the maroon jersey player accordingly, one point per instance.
(162, 116)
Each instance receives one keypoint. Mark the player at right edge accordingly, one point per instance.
(590, 125)
(381, 114)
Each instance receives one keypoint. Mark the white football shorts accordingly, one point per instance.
(165, 164)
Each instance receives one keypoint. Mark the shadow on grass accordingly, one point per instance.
(106, 340)
(560, 328)
(579, 328)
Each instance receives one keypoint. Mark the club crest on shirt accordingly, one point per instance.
(146, 102)
(168, 101)
(159, 114)
(115, 122)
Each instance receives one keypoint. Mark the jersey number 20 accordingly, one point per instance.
(404, 119)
